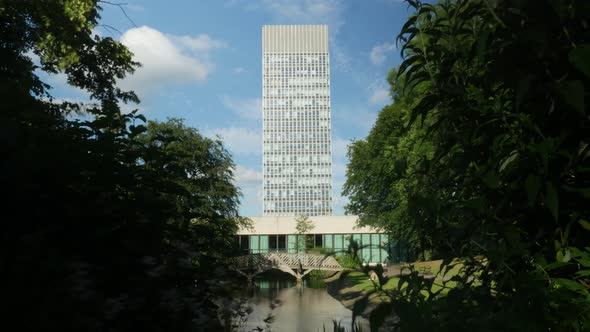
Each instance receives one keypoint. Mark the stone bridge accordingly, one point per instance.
(297, 265)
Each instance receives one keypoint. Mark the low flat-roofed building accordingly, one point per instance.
(329, 234)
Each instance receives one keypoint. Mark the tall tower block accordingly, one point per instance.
(297, 148)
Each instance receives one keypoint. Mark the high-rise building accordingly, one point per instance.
(297, 156)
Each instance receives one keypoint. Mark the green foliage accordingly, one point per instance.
(348, 261)
(337, 327)
(497, 92)
(304, 225)
(380, 179)
(108, 224)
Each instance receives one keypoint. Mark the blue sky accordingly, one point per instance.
(202, 62)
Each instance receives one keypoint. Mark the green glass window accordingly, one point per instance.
(366, 248)
(383, 249)
(263, 244)
(329, 241)
(358, 239)
(338, 242)
(254, 244)
(301, 243)
(292, 244)
(375, 250)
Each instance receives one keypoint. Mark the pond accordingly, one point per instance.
(305, 307)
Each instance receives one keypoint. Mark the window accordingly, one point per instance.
(318, 241)
(272, 242)
(282, 239)
(244, 244)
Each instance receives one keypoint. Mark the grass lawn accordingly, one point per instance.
(362, 283)
(435, 266)
(352, 286)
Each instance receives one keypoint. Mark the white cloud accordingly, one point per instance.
(380, 96)
(339, 148)
(250, 183)
(252, 199)
(239, 140)
(338, 170)
(329, 12)
(379, 52)
(247, 108)
(200, 43)
(167, 59)
(239, 70)
(245, 175)
(307, 11)
(338, 200)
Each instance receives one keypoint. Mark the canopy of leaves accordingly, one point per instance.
(383, 174)
(303, 225)
(502, 89)
(107, 224)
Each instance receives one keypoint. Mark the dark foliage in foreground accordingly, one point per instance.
(107, 225)
(486, 157)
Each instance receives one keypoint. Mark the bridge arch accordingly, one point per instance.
(298, 264)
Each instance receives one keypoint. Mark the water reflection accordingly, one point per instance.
(295, 307)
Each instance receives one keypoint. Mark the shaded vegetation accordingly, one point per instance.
(484, 156)
(108, 223)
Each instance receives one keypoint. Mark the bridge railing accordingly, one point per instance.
(278, 260)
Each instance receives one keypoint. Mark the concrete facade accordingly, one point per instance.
(322, 225)
(296, 121)
(330, 234)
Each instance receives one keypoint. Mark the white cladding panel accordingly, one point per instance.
(295, 38)
(296, 114)
(322, 225)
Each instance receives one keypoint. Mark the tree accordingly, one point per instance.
(382, 175)
(304, 226)
(108, 224)
(506, 188)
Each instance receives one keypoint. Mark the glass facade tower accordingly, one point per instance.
(297, 149)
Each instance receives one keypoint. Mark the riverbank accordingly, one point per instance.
(351, 287)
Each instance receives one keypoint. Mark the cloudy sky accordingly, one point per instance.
(202, 62)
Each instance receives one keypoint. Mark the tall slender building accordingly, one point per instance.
(297, 149)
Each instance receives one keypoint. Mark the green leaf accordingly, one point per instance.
(564, 255)
(555, 265)
(532, 186)
(512, 157)
(408, 23)
(574, 286)
(580, 58)
(584, 224)
(551, 199)
(141, 117)
(585, 262)
(425, 105)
